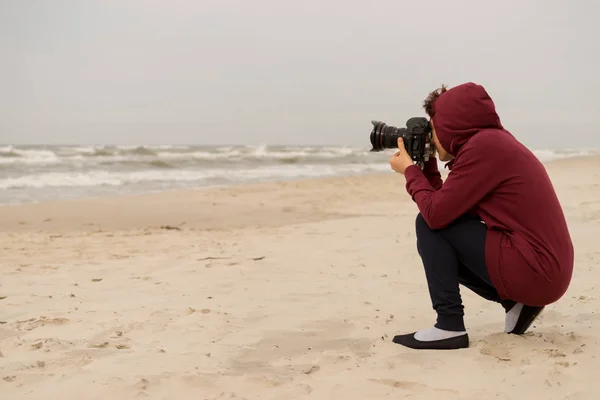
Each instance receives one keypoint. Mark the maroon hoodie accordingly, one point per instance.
(529, 252)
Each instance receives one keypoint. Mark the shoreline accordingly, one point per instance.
(65, 214)
(325, 178)
(206, 208)
(195, 189)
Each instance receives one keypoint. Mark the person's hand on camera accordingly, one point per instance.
(401, 159)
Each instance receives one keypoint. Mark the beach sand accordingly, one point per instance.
(271, 291)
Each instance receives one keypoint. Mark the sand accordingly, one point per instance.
(270, 291)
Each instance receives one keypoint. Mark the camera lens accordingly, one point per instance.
(384, 136)
(376, 135)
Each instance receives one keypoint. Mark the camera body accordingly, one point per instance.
(416, 138)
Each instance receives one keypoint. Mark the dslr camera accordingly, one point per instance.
(416, 138)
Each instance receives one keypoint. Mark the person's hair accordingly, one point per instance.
(431, 98)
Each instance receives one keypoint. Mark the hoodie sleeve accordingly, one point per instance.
(468, 183)
(431, 172)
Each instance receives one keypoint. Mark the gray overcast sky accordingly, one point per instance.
(289, 72)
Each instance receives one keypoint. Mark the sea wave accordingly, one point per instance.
(30, 173)
(81, 157)
(213, 176)
(546, 155)
(91, 155)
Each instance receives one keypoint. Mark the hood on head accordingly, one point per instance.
(461, 112)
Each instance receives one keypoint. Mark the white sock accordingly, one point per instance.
(512, 316)
(431, 334)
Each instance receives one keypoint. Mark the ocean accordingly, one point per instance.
(38, 173)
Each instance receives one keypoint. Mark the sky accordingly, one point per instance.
(289, 72)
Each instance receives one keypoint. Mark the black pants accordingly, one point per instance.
(452, 256)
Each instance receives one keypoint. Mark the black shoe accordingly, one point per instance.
(454, 343)
(526, 317)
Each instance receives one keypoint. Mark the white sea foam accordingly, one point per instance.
(119, 178)
(26, 172)
(13, 155)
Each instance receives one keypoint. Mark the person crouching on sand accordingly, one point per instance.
(495, 225)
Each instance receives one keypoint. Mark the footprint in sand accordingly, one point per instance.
(283, 356)
(552, 353)
(230, 395)
(318, 337)
(499, 346)
(548, 344)
(414, 387)
(110, 339)
(501, 353)
(51, 344)
(33, 323)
